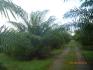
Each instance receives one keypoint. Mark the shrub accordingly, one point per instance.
(24, 46)
(56, 39)
(40, 50)
(17, 45)
(2, 67)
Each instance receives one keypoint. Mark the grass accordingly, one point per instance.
(88, 55)
(13, 64)
(56, 52)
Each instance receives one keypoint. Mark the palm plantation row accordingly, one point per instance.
(83, 23)
(35, 37)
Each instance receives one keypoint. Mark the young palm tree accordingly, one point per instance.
(30, 34)
(37, 24)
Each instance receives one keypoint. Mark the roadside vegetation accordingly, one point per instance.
(84, 28)
(31, 43)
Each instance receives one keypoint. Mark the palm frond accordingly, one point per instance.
(20, 26)
(71, 13)
(37, 17)
(7, 5)
(87, 3)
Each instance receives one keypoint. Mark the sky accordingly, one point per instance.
(56, 7)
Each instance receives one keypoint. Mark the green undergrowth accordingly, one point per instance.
(56, 52)
(88, 55)
(13, 64)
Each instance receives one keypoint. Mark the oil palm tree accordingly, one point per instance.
(30, 33)
(84, 13)
(84, 33)
(37, 24)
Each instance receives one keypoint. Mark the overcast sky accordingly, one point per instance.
(56, 7)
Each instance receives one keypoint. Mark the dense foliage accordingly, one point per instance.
(83, 24)
(85, 36)
(33, 38)
(2, 67)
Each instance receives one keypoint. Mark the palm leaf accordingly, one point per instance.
(7, 5)
(87, 3)
(20, 26)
